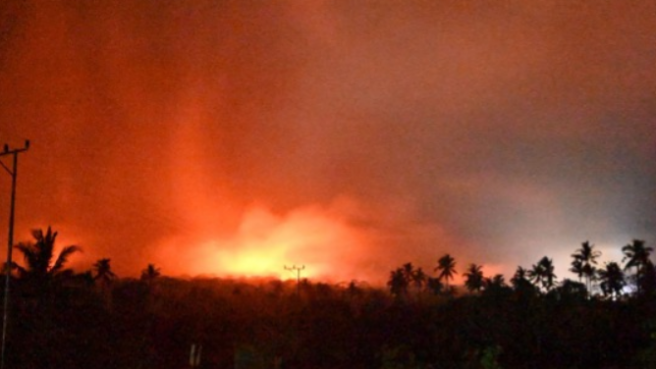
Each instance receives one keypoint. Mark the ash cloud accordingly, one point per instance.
(498, 133)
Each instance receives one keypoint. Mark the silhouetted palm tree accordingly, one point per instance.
(104, 272)
(495, 285)
(474, 278)
(647, 280)
(408, 271)
(584, 263)
(521, 283)
(612, 280)
(446, 266)
(398, 283)
(542, 274)
(636, 255)
(39, 263)
(519, 276)
(150, 274)
(577, 268)
(419, 279)
(104, 278)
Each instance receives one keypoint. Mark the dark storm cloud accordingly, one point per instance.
(515, 130)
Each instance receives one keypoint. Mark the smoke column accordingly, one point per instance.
(232, 138)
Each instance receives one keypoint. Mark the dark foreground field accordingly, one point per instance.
(78, 322)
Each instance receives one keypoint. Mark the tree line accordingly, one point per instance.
(95, 319)
(611, 281)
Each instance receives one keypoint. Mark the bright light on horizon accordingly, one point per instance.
(264, 244)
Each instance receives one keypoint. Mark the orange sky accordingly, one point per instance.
(223, 137)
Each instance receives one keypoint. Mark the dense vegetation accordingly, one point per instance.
(62, 319)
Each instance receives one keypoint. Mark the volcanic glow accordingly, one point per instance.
(235, 137)
(264, 243)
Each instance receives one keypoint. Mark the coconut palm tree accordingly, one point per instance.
(584, 263)
(612, 280)
(408, 271)
(419, 279)
(474, 278)
(495, 289)
(446, 266)
(495, 285)
(519, 276)
(521, 283)
(636, 255)
(647, 280)
(41, 265)
(397, 283)
(542, 274)
(535, 275)
(577, 268)
(104, 274)
(150, 274)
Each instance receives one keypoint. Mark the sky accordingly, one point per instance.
(234, 138)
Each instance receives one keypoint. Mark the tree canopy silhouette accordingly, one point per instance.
(150, 274)
(584, 263)
(474, 278)
(104, 272)
(636, 255)
(40, 261)
(446, 267)
(612, 280)
(542, 274)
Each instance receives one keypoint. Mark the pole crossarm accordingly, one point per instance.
(13, 151)
(8, 151)
(298, 276)
(295, 268)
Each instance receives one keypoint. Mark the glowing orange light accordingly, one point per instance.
(265, 243)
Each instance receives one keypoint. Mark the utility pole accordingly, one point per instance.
(298, 276)
(8, 266)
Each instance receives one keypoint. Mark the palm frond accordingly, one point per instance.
(63, 258)
(30, 254)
